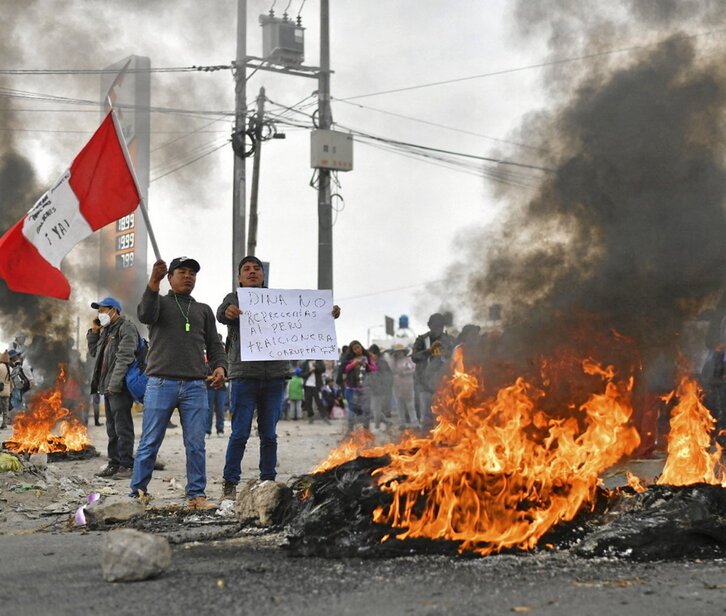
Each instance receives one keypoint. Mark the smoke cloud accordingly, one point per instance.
(30, 37)
(626, 232)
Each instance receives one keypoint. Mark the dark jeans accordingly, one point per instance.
(217, 406)
(120, 428)
(312, 393)
(96, 402)
(266, 397)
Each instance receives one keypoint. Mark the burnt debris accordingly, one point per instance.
(331, 515)
(89, 451)
(664, 522)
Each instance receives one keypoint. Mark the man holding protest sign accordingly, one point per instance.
(259, 383)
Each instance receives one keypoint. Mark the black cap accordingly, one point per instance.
(247, 259)
(184, 262)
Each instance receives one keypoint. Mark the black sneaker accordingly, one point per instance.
(110, 470)
(123, 472)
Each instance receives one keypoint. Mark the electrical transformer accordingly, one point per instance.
(283, 40)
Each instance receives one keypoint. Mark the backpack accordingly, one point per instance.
(136, 378)
(20, 381)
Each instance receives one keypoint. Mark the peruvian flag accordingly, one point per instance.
(97, 189)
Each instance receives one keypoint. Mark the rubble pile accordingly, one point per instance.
(664, 522)
(330, 515)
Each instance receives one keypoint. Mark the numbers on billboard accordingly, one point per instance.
(125, 241)
(125, 261)
(125, 223)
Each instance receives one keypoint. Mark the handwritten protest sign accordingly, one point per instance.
(286, 324)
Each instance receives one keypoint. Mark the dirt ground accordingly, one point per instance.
(29, 500)
(37, 500)
(47, 566)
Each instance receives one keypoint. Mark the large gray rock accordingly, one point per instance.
(261, 502)
(113, 509)
(38, 461)
(128, 555)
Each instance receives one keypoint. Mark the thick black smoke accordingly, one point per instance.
(46, 322)
(103, 33)
(627, 232)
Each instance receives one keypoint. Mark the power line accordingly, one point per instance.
(38, 96)
(189, 162)
(412, 145)
(461, 154)
(196, 131)
(497, 175)
(182, 133)
(427, 122)
(104, 71)
(528, 67)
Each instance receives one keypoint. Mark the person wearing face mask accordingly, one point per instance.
(112, 341)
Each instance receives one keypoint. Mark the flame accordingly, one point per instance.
(691, 457)
(360, 443)
(501, 468)
(499, 472)
(33, 428)
(635, 482)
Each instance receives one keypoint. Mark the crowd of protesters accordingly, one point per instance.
(195, 371)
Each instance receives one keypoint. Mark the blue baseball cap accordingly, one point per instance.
(108, 302)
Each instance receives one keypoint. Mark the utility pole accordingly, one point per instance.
(259, 118)
(239, 188)
(325, 212)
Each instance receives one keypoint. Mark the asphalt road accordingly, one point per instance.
(59, 573)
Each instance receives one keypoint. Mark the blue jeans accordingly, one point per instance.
(266, 397)
(217, 405)
(16, 400)
(162, 397)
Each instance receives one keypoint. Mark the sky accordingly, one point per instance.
(400, 217)
(406, 225)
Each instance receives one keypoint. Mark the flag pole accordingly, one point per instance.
(142, 202)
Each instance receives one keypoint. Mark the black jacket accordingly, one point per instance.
(319, 372)
(113, 347)
(238, 369)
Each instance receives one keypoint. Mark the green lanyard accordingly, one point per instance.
(186, 316)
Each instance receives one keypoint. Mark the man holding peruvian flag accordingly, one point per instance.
(99, 188)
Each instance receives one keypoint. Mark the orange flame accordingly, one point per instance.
(635, 483)
(500, 472)
(360, 443)
(691, 457)
(33, 428)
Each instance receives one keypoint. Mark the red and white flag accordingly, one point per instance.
(96, 190)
